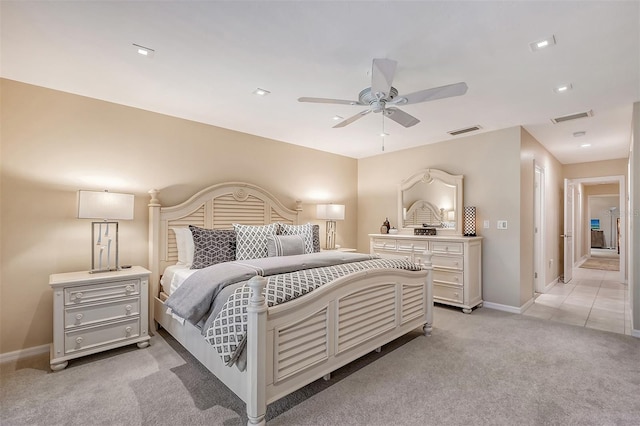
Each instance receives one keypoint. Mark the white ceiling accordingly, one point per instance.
(210, 56)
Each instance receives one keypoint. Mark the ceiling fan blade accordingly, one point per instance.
(401, 117)
(329, 101)
(382, 73)
(352, 119)
(432, 94)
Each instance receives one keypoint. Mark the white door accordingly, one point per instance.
(538, 252)
(568, 230)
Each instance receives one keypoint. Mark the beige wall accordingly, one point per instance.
(533, 154)
(54, 143)
(491, 168)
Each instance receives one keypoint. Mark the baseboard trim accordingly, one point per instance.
(506, 308)
(635, 333)
(24, 353)
(550, 285)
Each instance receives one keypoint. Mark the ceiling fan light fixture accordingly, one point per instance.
(543, 43)
(144, 51)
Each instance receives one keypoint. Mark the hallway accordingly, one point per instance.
(593, 298)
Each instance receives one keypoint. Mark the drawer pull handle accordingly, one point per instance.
(127, 330)
(79, 295)
(128, 308)
(79, 340)
(128, 288)
(79, 317)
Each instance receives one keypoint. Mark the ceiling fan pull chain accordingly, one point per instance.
(383, 132)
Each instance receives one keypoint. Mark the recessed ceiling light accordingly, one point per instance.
(261, 92)
(383, 134)
(585, 145)
(542, 43)
(144, 51)
(578, 134)
(563, 88)
(337, 117)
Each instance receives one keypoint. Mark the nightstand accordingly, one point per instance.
(96, 312)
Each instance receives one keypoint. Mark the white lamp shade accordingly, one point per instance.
(330, 211)
(105, 205)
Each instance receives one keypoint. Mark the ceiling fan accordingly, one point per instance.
(383, 97)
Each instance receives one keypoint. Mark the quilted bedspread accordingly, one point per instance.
(229, 329)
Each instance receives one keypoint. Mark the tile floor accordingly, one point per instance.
(593, 298)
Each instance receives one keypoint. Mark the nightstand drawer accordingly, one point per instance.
(87, 314)
(448, 277)
(89, 337)
(446, 247)
(452, 294)
(449, 262)
(101, 291)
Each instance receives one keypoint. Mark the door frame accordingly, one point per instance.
(539, 252)
(621, 181)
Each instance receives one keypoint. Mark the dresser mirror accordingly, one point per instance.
(431, 198)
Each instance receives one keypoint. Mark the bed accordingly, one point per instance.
(287, 345)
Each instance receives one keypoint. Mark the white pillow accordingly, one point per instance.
(305, 231)
(185, 245)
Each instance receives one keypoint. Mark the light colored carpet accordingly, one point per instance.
(602, 264)
(488, 367)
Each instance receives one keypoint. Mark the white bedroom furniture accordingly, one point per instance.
(430, 202)
(457, 264)
(97, 312)
(291, 344)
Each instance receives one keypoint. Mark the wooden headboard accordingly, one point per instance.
(423, 212)
(218, 206)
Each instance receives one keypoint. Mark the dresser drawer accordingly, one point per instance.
(87, 314)
(447, 247)
(384, 244)
(448, 262)
(451, 294)
(448, 277)
(101, 291)
(89, 337)
(393, 255)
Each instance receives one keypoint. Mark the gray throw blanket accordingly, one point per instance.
(194, 299)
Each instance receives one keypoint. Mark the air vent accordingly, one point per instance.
(465, 130)
(572, 117)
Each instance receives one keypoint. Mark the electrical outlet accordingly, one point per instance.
(502, 224)
(486, 224)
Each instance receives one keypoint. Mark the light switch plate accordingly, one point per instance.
(502, 224)
(486, 224)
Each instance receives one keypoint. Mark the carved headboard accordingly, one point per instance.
(218, 206)
(423, 212)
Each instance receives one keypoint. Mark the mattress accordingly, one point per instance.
(174, 276)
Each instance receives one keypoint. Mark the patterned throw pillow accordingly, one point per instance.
(305, 231)
(212, 246)
(285, 245)
(316, 238)
(251, 240)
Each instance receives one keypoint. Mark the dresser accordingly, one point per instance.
(457, 264)
(97, 312)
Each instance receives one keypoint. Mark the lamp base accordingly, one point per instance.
(330, 242)
(104, 247)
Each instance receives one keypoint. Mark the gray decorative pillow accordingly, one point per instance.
(212, 246)
(285, 245)
(316, 238)
(251, 240)
(305, 231)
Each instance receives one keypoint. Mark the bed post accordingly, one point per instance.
(428, 266)
(257, 352)
(154, 253)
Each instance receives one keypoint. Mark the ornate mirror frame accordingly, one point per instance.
(429, 176)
